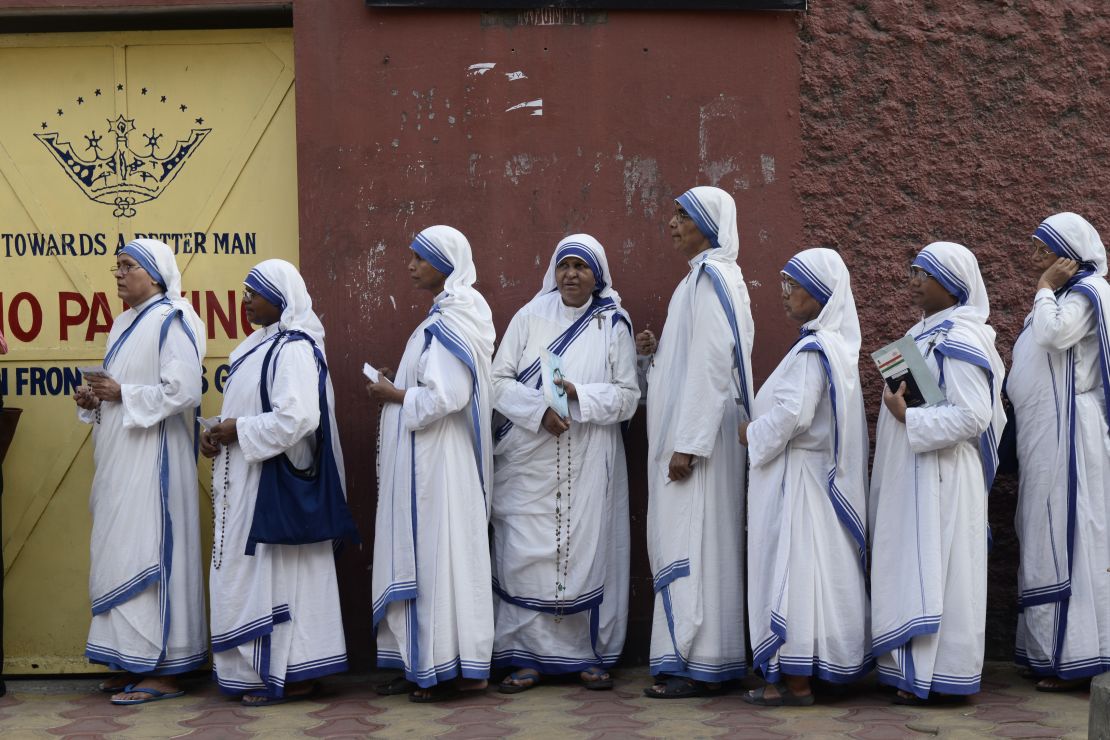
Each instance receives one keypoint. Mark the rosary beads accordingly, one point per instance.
(562, 545)
(218, 556)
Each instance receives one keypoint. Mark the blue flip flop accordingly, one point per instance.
(154, 695)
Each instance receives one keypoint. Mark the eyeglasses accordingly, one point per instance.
(682, 215)
(788, 287)
(125, 269)
(916, 273)
(1040, 249)
(248, 295)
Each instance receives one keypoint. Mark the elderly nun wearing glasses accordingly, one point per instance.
(1060, 389)
(560, 492)
(145, 584)
(432, 595)
(807, 494)
(934, 465)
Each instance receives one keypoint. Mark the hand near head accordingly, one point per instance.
(896, 402)
(646, 343)
(1058, 273)
(554, 423)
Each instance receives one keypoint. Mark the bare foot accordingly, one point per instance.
(1052, 683)
(161, 684)
(471, 684)
(796, 685)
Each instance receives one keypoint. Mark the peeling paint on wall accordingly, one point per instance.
(479, 69)
(641, 179)
(537, 104)
(767, 164)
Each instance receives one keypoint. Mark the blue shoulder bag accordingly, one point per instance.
(299, 507)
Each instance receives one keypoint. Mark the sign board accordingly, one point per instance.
(106, 137)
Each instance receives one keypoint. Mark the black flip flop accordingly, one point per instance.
(786, 697)
(601, 680)
(399, 685)
(524, 674)
(932, 700)
(679, 687)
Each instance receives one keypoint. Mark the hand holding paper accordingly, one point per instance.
(371, 374)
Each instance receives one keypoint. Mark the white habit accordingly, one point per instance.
(146, 582)
(432, 596)
(584, 625)
(698, 389)
(275, 614)
(1057, 386)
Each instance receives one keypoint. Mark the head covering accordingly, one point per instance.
(464, 325)
(823, 274)
(282, 286)
(714, 212)
(969, 337)
(158, 260)
(1072, 236)
(590, 251)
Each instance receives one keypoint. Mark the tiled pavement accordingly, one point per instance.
(346, 707)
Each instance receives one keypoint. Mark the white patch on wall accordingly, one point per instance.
(755, 283)
(641, 178)
(393, 302)
(479, 69)
(514, 76)
(520, 164)
(767, 164)
(535, 105)
(763, 235)
(720, 113)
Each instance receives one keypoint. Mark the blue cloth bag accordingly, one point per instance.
(294, 506)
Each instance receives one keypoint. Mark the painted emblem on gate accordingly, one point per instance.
(120, 175)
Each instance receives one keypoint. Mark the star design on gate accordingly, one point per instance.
(123, 173)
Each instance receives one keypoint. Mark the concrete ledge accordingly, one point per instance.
(1098, 722)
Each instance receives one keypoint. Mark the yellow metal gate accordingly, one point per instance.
(188, 137)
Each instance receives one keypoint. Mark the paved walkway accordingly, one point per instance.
(347, 708)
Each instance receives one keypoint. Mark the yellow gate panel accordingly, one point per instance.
(188, 137)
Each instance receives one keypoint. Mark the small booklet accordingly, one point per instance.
(370, 372)
(551, 368)
(902, 361)
(94, 371)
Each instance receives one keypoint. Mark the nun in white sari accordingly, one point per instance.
(699, 390)
(1059, 389)
(570, 471)
(276, 623)
(928, 502)
(432, 594)
(146, 582)
(807, 495)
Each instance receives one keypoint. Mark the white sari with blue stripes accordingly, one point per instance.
(807, 600)
(584, 625)
(145, 582)
(928, 518)
(1057, 387)
(275, 614)
(699, 388)
(431, 589)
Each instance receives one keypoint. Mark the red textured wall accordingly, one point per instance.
(967, 121)
(395, 135)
